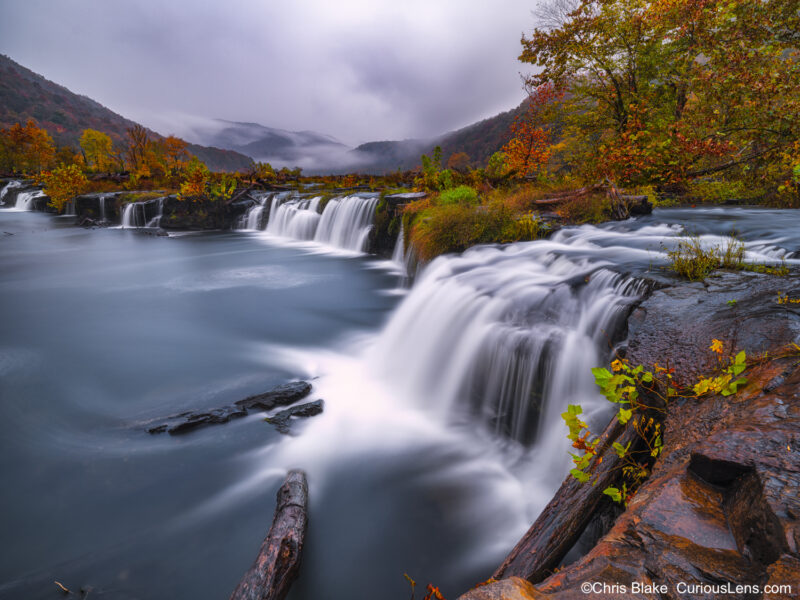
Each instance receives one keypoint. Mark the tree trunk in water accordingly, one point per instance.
(278, 561)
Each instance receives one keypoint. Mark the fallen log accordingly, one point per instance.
(565, 518)
(278, 562)
(240, 194)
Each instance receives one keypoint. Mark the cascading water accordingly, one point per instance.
(156, 220)
(254, 218)
(102, 201)
(15, 183)
(134, 214)
(345, 222)
(399, 254)
(26, 200)
(294, 218)
(506, 335)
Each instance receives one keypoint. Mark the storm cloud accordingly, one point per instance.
(359, 70)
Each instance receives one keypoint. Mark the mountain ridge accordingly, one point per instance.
(24, 94)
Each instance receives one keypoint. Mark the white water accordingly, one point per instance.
(134, 215)
(102, 201)
(9, 186)
(25, 200)
(252, 220)
(344, 223)
(156, 221)
(399, 254)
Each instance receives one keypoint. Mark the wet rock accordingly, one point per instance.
(676, 324)
(282, 419)
(283, 395)
(190, 421)
(513, 588)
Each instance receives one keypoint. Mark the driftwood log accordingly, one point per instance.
(621, 204)
(566, 516)
(278, 561)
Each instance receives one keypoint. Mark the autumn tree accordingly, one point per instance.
(529, 147)
(175, 153)
(98, 150)
(26, 149)
(459, 161)
(62, 184)
(138, 142)
(195, 179)
(661, 91)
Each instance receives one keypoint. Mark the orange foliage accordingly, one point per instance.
(528, 150)
(26, 149)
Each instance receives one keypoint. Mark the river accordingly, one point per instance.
(440, 440)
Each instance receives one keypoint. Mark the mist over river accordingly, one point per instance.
(439, 444)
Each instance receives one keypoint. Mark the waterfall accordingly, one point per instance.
(134, 214)
(399, 255)
(9, 186)
(253, 219)
(26, 200)
(506, 337)
(295, 218)
(345, 222)
(156, 221)
(102, 201)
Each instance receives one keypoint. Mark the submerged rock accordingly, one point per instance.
(282, 419)
(283, 395)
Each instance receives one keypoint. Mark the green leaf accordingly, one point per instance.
(601, 375)
(614, 493)
(579, 475)
(647, 377)
(624, 415)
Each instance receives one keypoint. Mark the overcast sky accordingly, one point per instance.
(359, 70)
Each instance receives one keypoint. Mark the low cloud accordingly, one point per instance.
(357, 70)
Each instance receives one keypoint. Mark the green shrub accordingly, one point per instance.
(691, 261)
(463, 194)
(715, 190)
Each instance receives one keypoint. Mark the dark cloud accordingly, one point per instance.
(359, 70)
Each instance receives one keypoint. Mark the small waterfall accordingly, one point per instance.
(134, 214)
(156, 221)
(294, 218)
(102, 201)
(69, 209)
(15, 183)
(26, 200)
(399, 255)
(345, 222)
(253, 219)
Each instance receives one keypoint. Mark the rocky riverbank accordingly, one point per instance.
(722, 506)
